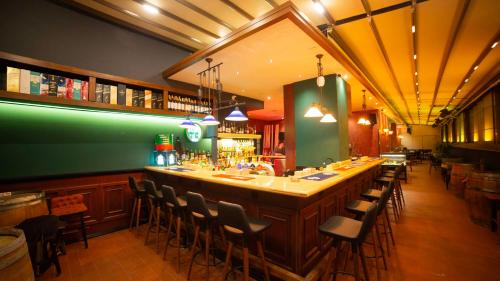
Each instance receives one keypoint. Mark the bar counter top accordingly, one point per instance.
(272, 184)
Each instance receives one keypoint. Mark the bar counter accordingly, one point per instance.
(296, 209)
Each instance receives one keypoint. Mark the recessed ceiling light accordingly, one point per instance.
(412, 29)
(418, 92)
(268, 97)
(150, 9)
(416, 83)
(270, 61)
(237, 73)
(318, 7)
(494, 45)
(476, 67)
(454, 97)
(415, 56)
(466, 80)
(459, 90)
(376, 103)
(300, 75)
(416, 73)
(131, 13)
(345, 76)
(197, 40)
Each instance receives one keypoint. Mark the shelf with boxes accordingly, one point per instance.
(38, 81)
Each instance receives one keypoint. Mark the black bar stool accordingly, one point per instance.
(360, 207)
(343, 229)
(139, 194)
(238, 226)
(155, 198)
(176, 206)
(204, 217)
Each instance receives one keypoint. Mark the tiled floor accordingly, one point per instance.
(435, 240)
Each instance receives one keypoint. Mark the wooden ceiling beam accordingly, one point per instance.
(378, 11)
(457, 23)
(385, 55)
(205, 14)
(238, 9)
(272, 3)
(134, 27)
(179, 19)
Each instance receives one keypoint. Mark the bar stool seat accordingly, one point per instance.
(358, 207)
(258, 225)
(342, 227)
(68, 206)
(372, 194)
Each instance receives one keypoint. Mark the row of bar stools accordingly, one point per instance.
(343, 229)
(387, 180)
(176, 207)
(139, 196)
(398, 188)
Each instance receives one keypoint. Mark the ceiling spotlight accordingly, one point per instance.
(476, 67)
(418, 92)
(416, 73)
(270, 61)
(454, 97)
(150, 9)
(268, 97)
(318, 7)
(345, 76)
(494, 45)
(413, 29)
(459, 90)
(416, 83)
(415, 56)
(237, 73)
(466, 80)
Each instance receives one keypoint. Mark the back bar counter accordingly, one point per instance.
(296, 209)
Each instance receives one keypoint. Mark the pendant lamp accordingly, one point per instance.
(328, 118)
(209, 120)
(314, 110)
(187, 123)
(362, 120)
(236, 115)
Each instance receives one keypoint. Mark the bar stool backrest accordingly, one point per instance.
(197, 206)
(233, 218)
(368, 222)
(384, 197)
(170, 197)
(133, 185)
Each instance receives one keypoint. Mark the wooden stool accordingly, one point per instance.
(68, 206)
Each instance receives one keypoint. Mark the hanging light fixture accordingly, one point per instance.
(362, 120)
(187, 123)
(209, 119)
(236, 115)
(328, 118)
(314, 111)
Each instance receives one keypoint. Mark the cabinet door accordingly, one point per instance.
(310, 218)
(116, 200)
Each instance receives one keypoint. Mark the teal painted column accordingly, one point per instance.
(342, 118)
(315, 141)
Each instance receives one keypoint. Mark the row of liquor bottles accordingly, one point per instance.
(122, 95)
(235, 128)
(29, 82)
(187, 104)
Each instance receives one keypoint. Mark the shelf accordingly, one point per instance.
(238, 136)
(4, 95)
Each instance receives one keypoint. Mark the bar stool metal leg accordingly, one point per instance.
(132, 215)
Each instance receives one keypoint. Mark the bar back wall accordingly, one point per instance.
(49, 141)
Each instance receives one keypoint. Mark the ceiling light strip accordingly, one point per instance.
(387, 60)
(477, 62)
(457, 24)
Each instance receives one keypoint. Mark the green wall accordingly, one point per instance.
(50, 141)
(316, 141)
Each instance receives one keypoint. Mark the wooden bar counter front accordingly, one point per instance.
(296, 209)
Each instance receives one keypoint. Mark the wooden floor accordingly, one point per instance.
(435, 240)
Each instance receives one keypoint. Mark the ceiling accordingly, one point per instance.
(451, 38)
